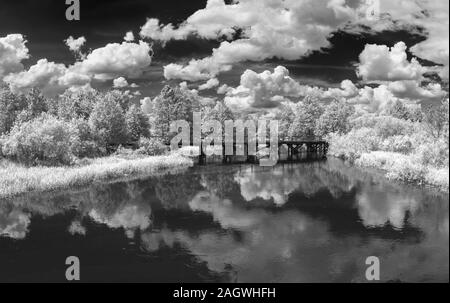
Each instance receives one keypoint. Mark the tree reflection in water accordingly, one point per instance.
(309, 222)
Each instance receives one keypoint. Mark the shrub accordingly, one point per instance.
(434, 153)
(400, 167)
(45, 140)
(152, 147)
(407, 169)
(352, 145)
(398, 144)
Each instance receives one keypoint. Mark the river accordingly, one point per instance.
(305, 222)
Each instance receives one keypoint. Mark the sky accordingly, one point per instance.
(254, 54)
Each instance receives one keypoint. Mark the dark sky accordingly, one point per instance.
(44, 24)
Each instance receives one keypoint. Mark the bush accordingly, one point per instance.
(45, 140)
(434, 153)
(152, 147)
(352, 145)
(397, 144)
(407, 169)
(400, 167)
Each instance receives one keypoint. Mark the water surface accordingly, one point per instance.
(308, 222)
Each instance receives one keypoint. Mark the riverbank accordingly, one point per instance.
(400, 167)
(17, 179)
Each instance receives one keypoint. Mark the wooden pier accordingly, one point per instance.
(294, 148)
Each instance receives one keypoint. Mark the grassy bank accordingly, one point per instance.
(414, 168)
(16, 179)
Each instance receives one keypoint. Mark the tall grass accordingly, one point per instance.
(16, 179)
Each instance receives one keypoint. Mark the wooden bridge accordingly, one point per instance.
(294, 148)
(316, 149)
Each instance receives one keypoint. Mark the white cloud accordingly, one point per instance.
(265, 90)
(224, 89)
(431, 15)
(51, 78)
(110, 62)
(129, 36)
(291, 29)
(116, 60)
(147, 105)
(270, 89)
(381, 63)
(76, 44)
(120, 82)
(156, 31)
(411, 90)
(211, 83)
(196, 70)
(12, 51)
(270, 29)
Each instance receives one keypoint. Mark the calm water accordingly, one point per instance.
(310, 222)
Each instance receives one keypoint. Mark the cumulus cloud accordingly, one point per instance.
(211, 83)
(431, 16)
(120, 82)
(75, 45)
(51, 78)
(12, 51)
(381, 63)
(109, 62)
(155, 30)
(147, 105)
(269, 29)
(129, 36)
(224, 89)
(116, 60)
(265, 90)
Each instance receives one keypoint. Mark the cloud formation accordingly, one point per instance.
(269, 29)
(129, 37)
(12, 52)
(381, 63)
(115, 60)
(211, 83)
(292, 29)
(265, 90)
(268, 90)
(51, 78)
(120, 82)
(112, 61)
(75, 45)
